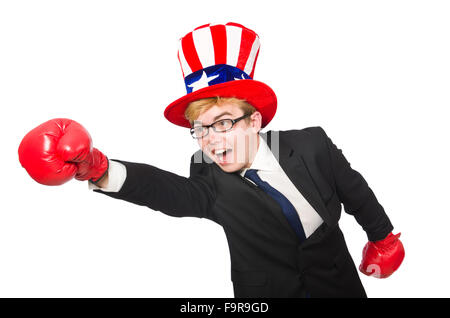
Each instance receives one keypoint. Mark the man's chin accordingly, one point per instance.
(230, 167)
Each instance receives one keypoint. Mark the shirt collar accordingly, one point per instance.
(264, 159)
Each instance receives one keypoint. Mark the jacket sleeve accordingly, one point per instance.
(165, 191)
(355, 194)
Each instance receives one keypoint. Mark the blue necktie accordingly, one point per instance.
(287, 207)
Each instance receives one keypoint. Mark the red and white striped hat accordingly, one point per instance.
(219, 60)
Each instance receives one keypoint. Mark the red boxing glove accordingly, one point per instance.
(382, 258)
(59, 150)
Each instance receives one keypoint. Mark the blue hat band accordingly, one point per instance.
(213, 75)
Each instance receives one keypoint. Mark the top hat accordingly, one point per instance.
(219, 60)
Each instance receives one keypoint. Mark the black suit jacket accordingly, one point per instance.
(267, 259)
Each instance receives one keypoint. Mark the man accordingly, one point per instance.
(277, 194)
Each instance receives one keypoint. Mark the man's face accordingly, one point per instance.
(240, 143)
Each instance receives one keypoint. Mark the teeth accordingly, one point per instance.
(221, 151)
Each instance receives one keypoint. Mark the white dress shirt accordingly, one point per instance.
(269, 170)
(117, 173)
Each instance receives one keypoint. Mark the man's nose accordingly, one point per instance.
(215, 138)
(212, 135)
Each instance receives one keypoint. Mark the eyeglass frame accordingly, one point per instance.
(233, 122)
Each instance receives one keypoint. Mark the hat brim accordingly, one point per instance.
(256, 93)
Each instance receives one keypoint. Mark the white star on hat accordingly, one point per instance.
(242, 77)
(202, 82)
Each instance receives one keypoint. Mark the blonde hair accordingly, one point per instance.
(198, 107)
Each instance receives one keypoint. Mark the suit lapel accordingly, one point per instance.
(296, 170)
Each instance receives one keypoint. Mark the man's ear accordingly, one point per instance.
(256, 121)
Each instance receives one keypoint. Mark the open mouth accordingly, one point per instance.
(223, 155)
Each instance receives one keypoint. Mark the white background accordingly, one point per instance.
(374, 74)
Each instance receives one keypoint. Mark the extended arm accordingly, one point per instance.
(165, 191)
(61, 149)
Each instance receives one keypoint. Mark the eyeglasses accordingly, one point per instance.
(219, 126)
